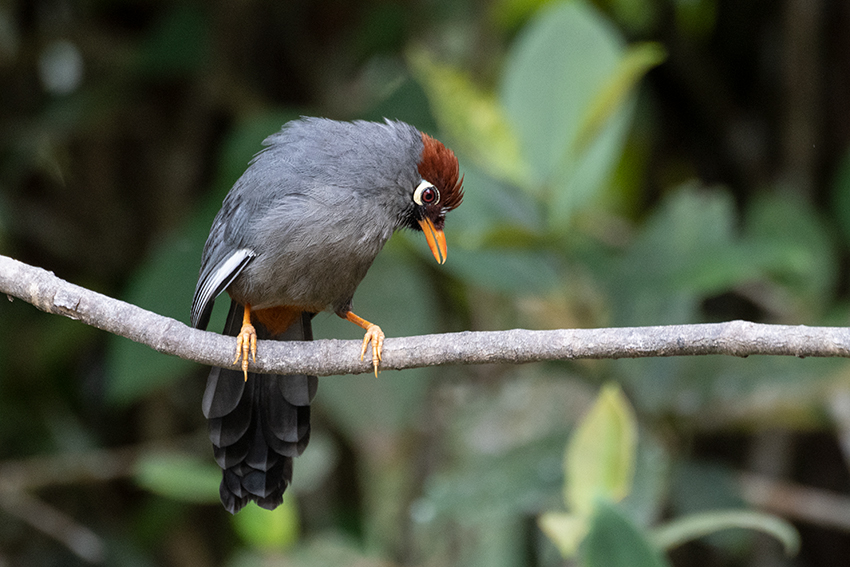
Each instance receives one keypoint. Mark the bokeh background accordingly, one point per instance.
(627, 162)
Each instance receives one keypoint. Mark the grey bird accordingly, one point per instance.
(295, 236)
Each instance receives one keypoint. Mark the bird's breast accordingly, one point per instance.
(311, 267)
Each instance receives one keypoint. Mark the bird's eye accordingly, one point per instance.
(426, 194)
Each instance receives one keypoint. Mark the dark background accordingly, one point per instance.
(725, 194)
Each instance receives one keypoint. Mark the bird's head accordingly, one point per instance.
(438, 192)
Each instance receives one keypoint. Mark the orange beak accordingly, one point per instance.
(435, 238)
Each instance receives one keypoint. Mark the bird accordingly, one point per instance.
(295, 236)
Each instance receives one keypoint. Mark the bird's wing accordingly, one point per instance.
(215, 280)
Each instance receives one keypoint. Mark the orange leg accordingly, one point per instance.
(374, 336)
(246, 341)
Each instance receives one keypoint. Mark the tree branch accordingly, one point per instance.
(327, 357)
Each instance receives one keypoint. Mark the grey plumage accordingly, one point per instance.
(315, 207)
(299, 229)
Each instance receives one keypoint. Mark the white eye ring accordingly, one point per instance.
(417, 194)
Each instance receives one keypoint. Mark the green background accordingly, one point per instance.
(626, 162)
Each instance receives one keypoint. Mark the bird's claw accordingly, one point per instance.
(374, 336)
(246, 343)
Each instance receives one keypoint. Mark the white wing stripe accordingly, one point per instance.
(217, 281)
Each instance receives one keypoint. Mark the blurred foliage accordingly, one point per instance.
(178, 476)
(626, 162)
(599, 467)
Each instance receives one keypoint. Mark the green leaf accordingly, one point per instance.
(637, 61)
(472, 118)
(269, 529)
(613, 540)
(600, 457)
(563, 62)
(693, 526)
(178, 476)
(553, 73)
(565, 530)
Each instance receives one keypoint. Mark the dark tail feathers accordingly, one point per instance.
(257, 427)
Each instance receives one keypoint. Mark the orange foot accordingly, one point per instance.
(375, 337)
(246, 342)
